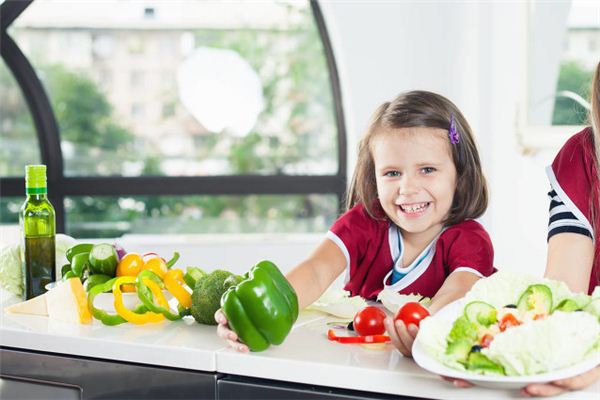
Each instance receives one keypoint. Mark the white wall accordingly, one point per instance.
(474, 54)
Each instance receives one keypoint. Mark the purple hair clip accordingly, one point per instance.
(452, 132)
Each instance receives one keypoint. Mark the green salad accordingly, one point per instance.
(514, 324)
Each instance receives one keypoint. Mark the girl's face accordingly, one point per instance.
(416, 179)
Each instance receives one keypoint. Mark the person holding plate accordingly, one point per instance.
(573, 228)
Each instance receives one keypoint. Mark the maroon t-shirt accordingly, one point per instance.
(372, 251)
(574, 178)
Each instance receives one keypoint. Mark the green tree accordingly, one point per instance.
(573, 78)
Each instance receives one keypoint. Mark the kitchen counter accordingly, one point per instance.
(305, 357)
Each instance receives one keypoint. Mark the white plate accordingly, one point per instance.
(428, 362)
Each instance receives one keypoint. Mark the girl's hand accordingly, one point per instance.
(557, 387)
(402, 336)
(459, 383)
(230, 336)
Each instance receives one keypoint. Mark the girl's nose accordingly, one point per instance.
(408, 185)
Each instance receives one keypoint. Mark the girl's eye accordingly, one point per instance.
(392, 173)
(428, 170)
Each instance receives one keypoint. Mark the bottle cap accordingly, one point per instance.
(35, 179)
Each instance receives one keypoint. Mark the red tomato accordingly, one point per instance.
(369, 321)
(486, 340)
(508, 321)
(412, 313)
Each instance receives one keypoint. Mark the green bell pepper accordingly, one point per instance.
(262, 308)
(103, 316)
(145, 294)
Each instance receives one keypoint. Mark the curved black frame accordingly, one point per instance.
(61, 186)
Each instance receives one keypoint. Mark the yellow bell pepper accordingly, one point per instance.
(127, 314)
(174, 283)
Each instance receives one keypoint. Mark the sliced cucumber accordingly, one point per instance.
(537, 298)
(103, 259)
(481, 313)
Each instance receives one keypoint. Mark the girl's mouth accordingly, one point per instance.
(414, 208)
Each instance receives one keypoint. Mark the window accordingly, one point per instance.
(560, 64)
(185, 103)
(18, 137)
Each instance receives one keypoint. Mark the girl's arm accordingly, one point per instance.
(570, 259)
(314, 275)
(455, 286)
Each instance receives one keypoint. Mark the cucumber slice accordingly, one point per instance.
(103, 259)
(537, 298)
(481, 313)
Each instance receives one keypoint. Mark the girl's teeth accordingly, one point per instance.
(414, 207)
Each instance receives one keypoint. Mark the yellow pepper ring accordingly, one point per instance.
(173, 282)
(126, 313)
(156, 292)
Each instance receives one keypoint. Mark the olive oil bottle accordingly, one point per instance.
(38, 224)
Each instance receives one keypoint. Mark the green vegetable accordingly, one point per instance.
(78, 248)
(103, 316)
(459, 350)
(206, 295)
(536, 297)
(262, 308)
(193, 275)
(96, 279)
(480, 313)
(64, 269)
(567, 305)
(463, 329)
(79, 263)
(103, 259)
(479, 362)
(145, 294)
(68, 275)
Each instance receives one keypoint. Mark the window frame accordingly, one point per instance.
(536, 137)
(61, 186)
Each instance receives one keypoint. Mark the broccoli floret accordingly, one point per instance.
(206, 297)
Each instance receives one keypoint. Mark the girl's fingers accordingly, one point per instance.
(220, 317)
(580, 381)
(405, 338)
(237, 346)
(459, 383)
(542, 390)
(395, 339)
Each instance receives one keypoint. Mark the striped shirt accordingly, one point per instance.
(563, 220)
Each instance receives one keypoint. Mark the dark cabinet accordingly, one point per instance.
(236, 387)
(25, 374)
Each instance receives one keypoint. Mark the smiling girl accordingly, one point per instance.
(416, 189)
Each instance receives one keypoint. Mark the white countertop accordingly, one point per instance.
(305, 357)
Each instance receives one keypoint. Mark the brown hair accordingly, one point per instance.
(595, 195)
(595, 116)
(430, 110)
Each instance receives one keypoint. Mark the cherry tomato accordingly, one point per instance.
(486, 340)
(412, 313)
(369, 321)
(508, 321)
